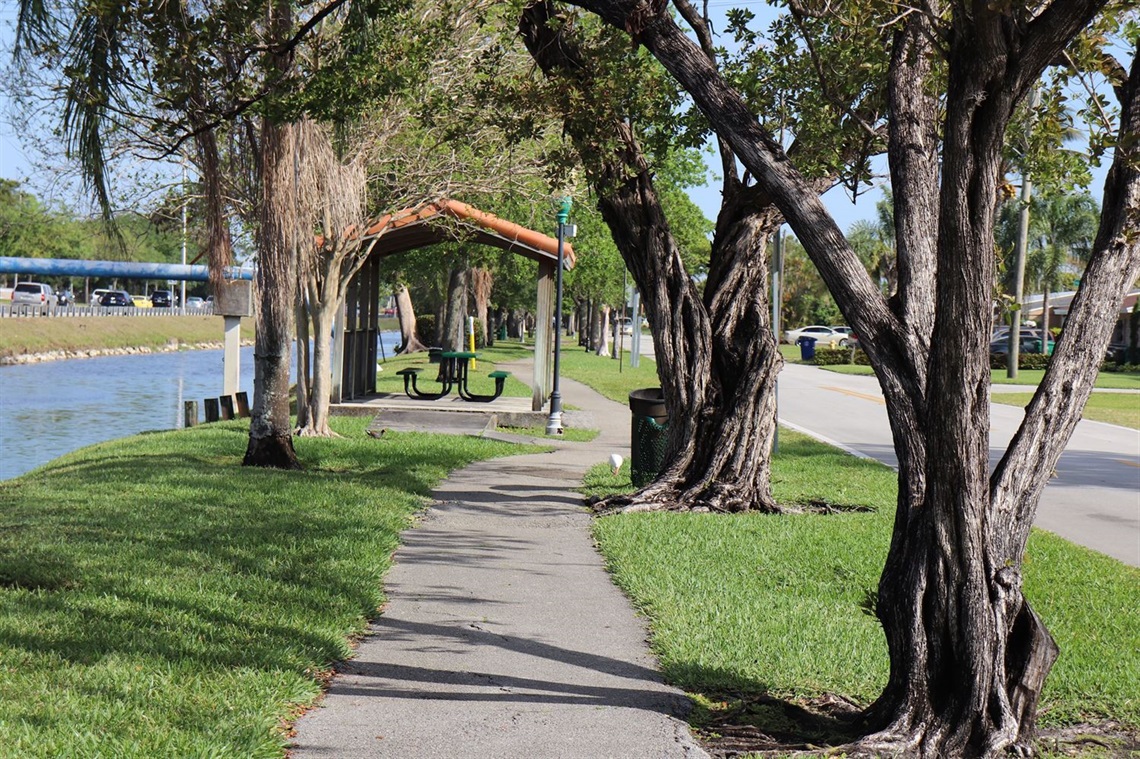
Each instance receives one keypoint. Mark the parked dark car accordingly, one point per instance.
(162, 299)
(1027, 344)
(116, 299)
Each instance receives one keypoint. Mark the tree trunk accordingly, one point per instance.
(482, 281)
(270, 428)
(323, 315)
(304, 361)
(602, 346)
(409, 342)
(451, 334)
(717, 358)
(968, 656)
(720, 447)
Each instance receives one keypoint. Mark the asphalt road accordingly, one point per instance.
(1094, 500)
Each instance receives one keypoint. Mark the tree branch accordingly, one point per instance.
(1114, 265)
(699, 25)
(1046, 36)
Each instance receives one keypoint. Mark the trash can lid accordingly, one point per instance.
(648, 401)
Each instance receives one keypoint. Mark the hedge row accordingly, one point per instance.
(837, 356)
(834, 356)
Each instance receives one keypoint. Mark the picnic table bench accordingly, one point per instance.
(453, 372)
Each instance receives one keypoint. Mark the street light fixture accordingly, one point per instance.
(554, 422)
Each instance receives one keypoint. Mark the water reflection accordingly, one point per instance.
(49, 409)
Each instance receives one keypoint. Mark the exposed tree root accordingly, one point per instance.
(668, 495)
(273, 452)
(759, 725)
(311, 431)
(412, 346)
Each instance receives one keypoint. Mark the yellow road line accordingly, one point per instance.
(1129, 463)
(873, 398)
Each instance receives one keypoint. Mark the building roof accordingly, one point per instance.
(420, 226)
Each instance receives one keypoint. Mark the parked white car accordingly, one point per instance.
(33, 298)
(824, 336)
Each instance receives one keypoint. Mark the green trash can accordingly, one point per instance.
(502, 332)
(649, 435)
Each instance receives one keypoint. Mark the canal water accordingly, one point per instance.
(49, 409)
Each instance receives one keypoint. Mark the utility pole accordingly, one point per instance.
(1013, 355)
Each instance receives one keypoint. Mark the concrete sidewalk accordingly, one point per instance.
(504, 636)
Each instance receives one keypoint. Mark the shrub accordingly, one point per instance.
(480, 338)
(425, 329)
(1024, 361)
(1112, 366)
(834, 356)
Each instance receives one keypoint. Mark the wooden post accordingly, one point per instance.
(242, 399)
(190, 414)
(227, 404)
(211, 408)
(543, 335)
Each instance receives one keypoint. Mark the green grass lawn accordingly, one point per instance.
(606, 375)
(1106, 380)
(1114, 408)
(158, 600)
(387, 381)
(41, 335)
(71, 333)
(573, 434)
(751, 604)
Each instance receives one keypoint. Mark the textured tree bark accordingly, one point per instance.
(716, 357)
(270, 428)
(451, 328)
(482, 280)
(406, 313)
(304, 362)
(325, 299)
(968, 655)
(602, 330)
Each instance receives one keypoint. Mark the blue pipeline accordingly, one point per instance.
(68, 267)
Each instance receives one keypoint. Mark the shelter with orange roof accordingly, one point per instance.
(357, 333)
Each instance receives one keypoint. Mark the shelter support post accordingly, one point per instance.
(337, 359)
(543, 335)
(357, 335)
(231, 355)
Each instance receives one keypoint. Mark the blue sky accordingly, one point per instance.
(16, 164)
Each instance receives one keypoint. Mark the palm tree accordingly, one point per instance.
(153, 72)
(1061, 234)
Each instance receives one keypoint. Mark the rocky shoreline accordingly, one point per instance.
(171, 347)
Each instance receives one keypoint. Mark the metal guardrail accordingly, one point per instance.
(73, 311)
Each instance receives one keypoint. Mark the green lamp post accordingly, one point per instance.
(554, 421)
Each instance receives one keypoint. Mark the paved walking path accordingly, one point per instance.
(503, 636)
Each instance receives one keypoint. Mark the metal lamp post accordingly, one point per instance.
(554, 421)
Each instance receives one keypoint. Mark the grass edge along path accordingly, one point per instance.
(742, 607)
(157, 599)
